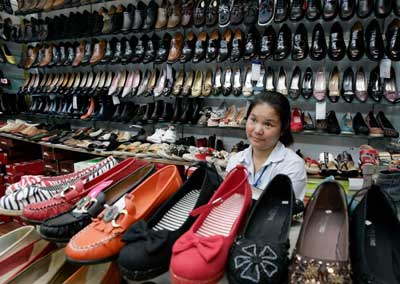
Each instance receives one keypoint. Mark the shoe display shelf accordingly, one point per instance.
(286, 64)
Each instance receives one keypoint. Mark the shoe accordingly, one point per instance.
(333, 123)
(163, 49)
(283, 43)
(377, 207)
(359, 125)
(281, 86)
(113, 220)
(224, 12)
(389, 88)
(151, 16)
(374, 129)
(188, 47)
(99, 273)
(15, 264)
(364, 8)
(151, 260)
(207, 265)
(348, 85)
(12, 204)
(266, 12)
(318, 45)
(393, 40)
(307, 85)
(336, 252)
(313, 11)
(267, 43)
(337, 46)
(225, 47)
(375, 85)
(197, 84)
(355, 50)
(9, 58)
(296, 122)
(328, 164)
(300, 43)
(217, 87)
(346, 165)
(347, 124)
(187, 86)
(330, 9)
(199, 19)
(255, 242)
(386, 125)
(281, 11)
(334, 85)
(308, 123)
(297, 10)
(347, 9)
(383, 8)
(252, 43)
(174, 14)
(319, 91)
(212, 13)
(361, 86)
(294, 87)
(38, 212)
(200, 47)
(176, 48)
(237, 46)
(187, 12)
(64, 226)
(374, 41)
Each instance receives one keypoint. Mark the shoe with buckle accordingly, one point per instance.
(337, 46)
(283, 43)
(225, 47)
(393, 40)
(200, 47)
(101, 241)
(374, 41)
(300, 43)
(213, 46)
(64, 226)
(355, 50)
(318, 45)
(267, 43)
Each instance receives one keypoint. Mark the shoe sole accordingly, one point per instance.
(180, 280)
(29, 221)
(10, 212)
(92, 261)
(142, 275)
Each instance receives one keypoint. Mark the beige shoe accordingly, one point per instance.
(105, 273)
(51, 269)
(197, 84)
(188, 83)
(207, 85)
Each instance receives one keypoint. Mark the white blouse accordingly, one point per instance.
(282, 160)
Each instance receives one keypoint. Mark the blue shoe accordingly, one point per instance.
(347, 124)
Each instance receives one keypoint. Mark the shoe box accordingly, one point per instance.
(35, 167)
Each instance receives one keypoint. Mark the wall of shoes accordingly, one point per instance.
(161, 62)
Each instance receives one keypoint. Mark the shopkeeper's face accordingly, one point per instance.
(263, 127)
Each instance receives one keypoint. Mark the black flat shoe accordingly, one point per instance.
(337, 46)
(318, 44)
(252, 43)
(267, 43)
(359, 125)
(330, 9)
(355, 50)
(393, 40)
(257, 256)
(374, 41)
(300, 43)
(297, 10)
(347, 9)
(374, 234)
(313, 11)
(283, 43)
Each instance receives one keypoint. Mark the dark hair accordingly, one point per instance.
(282, 106)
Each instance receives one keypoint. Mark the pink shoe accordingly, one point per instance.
(208, 241)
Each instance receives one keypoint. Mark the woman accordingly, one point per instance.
(268, 132)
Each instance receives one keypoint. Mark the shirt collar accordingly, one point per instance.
(277, 155)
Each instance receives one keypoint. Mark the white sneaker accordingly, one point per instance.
(157, 136)
(169, 135)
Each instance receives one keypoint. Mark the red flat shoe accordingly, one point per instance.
(296, 123)
(208, 241)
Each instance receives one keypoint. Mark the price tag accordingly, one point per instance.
(169, 72)
(384, 68)
(255, 70)
(75, 102)
(320, 110)
(115, 100)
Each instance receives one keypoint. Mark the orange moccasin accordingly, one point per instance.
(101, 240)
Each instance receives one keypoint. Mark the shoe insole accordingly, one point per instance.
(273, 217)
(222, 217)
(323, 232)
(380, 251)
(178, 214)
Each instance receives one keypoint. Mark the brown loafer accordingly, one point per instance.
(176, 48)
(174, 15)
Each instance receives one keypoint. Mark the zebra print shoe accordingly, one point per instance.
(38, 212)
(14, 201)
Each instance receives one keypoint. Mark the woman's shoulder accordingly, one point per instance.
(292, 158)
